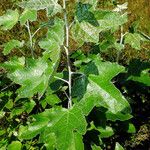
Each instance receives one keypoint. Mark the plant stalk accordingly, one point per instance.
(121, 41)
(67, 54)
(30, 39)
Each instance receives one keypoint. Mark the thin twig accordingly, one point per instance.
(67, 53)
(30, 38)
(35, 32)
(121, 41)
(61, 79)
(7, 87)
(66, 95)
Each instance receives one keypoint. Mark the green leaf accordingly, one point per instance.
(55, 35)
(77, 143)
(52, 99)
(95, 147)
(2, 132)
(26, 107)
(134, 39)
(3, 144)
(8, 20)
(131, 128)
(34, 75)
(52, 7)
(101, 92)
(85, 32)
(11, 45)
(118, 146)
(15, 145)
(14, 64)
(28, 14)
(107, 20)
(49, 140)
(79, 87)
(83, 14)
(105, 132)
(142, 78)
(9, 104)
(68, 125)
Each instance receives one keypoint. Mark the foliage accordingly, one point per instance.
(45, 105)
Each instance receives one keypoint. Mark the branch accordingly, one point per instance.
(30, 38)
(67, 54)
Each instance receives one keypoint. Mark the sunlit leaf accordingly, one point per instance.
(134, 39)
(121, 7)
(107, 20)
(105, 132)
(15, 145)
(34, 74)
(68, 126)
(14, 64)
(52, 7)
(102, 92)
(95, 147)
(118, 147)
(11, 45)
(28, 14)
(8, 20)
(131, 128)
(85, 32)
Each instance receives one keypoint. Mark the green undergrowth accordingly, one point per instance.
(64, 84)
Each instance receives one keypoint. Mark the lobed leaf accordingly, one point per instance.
(52, 7)
(34, 75)
(68, 126)
(106, 20)
(101, 92)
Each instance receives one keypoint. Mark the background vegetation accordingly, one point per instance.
(133, 133)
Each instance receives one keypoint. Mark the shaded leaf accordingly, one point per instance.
(79, 87)
(84, 14)
(144, 77)
(26, 107)
(52, 99)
